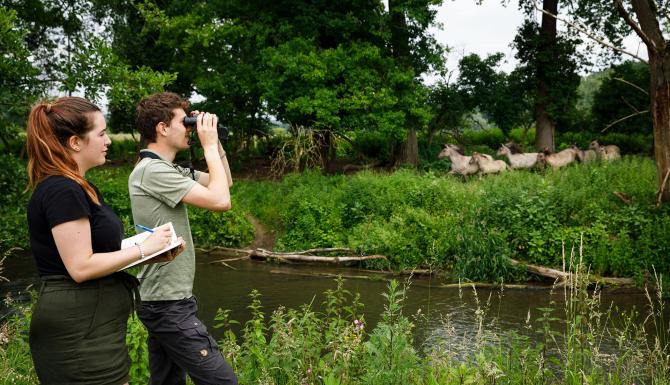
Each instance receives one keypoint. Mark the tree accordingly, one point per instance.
(69, 52)
(448, 105)
(59, 32)
(546, 55)
(621, 103)
(19, 86)
(413, 50)
(492, 92)
(327, 66)
(549, 66)
(608, 23)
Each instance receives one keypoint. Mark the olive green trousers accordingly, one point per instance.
(78, 330)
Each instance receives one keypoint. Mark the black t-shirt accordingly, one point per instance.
(57, 200)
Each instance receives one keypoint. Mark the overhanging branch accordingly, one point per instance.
(589, 34)
(633, 85)
(629, 20)
(624, 118)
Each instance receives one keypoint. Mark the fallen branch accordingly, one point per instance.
(265, 254)
(300, 256)
(224, 250)
(624, 198)
(562, 277)
(312, 251)
(230, 259)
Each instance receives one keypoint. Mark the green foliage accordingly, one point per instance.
(136, 340)
(554, 63)
(504, 99)
(13, 202)
(326, 66)
(390, 350)
(18, 78)
(229, 229)
(470, 228)
(16, 364)
(623, 92)
(123, 150)
(311, 222)
(449, 104)
(492, 138)
(372, 145)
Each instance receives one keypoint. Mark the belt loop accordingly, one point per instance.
(42, 285)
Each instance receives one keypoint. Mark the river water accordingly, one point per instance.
(446, 313)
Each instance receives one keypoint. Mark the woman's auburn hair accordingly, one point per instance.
(50, 125)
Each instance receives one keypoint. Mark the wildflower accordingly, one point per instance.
(358, 325)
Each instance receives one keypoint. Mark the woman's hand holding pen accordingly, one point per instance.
(158, 240)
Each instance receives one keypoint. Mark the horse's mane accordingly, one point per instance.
(514, 148)
(459, 148)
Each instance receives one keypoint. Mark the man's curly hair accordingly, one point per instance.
(154, 109)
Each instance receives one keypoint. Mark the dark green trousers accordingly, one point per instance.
(78, 331)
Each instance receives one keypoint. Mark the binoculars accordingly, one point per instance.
(191, 121)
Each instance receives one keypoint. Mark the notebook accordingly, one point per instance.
(130, 242)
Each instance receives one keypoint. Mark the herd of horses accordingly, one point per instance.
(486, 164)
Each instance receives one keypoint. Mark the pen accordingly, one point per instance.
(144, 228)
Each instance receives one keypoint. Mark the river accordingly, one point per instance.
(446, 313)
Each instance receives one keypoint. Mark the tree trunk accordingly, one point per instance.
(544, 126)
(409, 150)
(324, 139)
(659, 68)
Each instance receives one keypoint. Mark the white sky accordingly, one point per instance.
(485, 29)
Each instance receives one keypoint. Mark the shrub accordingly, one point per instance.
(491, 138)
(13, 203)
(123, 150)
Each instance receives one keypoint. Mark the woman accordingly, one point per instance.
(77, 332)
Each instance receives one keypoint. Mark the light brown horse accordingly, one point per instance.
(607, 152)
(460, 164)
(487, 165)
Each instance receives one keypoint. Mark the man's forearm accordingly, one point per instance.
(226, 167)
(217, 173)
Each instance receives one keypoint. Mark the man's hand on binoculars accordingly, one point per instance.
(206, 128)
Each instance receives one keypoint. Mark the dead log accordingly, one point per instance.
(296, 256)
(562, 277)
(302, 256)
(312, 251)
(265, 254)
(224, 251)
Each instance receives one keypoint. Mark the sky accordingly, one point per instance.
(485, 29)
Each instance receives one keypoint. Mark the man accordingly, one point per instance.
(159, 192)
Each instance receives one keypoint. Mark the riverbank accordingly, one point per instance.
(468, 230)
(461, 230)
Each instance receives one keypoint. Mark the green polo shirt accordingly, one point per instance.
(156, 189)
